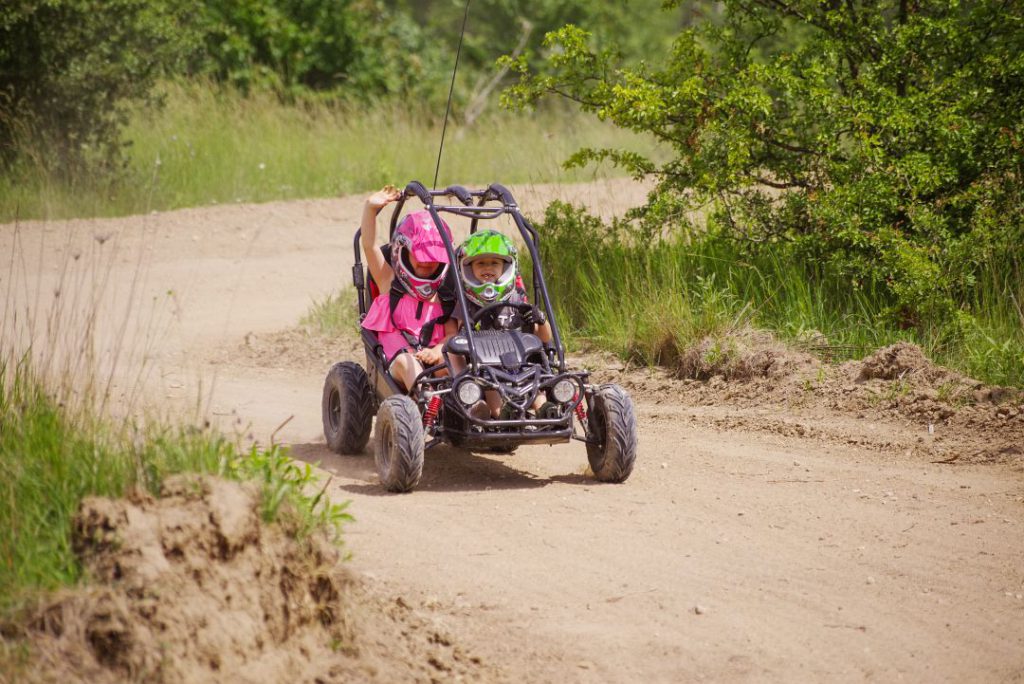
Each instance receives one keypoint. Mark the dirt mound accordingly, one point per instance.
(740, 356)
(194, 587)
(897, 362)
(941, 415)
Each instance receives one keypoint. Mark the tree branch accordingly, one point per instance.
(481, 95)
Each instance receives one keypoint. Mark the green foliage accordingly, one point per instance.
(70, 70)
(292, 47)
(334, 315)
(880, 140)
(211, 145)
(50, 459)
(651, 298)
(289, 489)
(495, 27)
(67, 70)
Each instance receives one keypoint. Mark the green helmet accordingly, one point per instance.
(488, 243)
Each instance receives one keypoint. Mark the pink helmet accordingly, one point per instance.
(417, 233)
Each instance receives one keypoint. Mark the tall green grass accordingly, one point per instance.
(651, 301)
(334, 315)
(210, 145)
(52, 456)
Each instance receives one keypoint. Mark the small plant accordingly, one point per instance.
(714, 355)
(334, 315)
(286, 482)
(896, 390)
(953, 393)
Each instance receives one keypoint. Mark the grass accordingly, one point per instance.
(334, 315)
(52, 457)
(208, 145)
(651, 303)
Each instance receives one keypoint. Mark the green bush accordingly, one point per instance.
(68, 68)
(880, 139)
(651, 298)
(355, 48)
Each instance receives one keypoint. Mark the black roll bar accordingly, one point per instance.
(495, 192)
(357, 276)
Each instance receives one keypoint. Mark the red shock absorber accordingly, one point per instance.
(430, 415)
(581, 413)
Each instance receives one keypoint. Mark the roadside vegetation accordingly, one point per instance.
(652, 298)
(140, 105)
(209, 144)
(852, 169)
(52, 455)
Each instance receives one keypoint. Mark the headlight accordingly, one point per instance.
(563, 391)
(469, 392)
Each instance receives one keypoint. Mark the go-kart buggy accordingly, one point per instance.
(515, 364)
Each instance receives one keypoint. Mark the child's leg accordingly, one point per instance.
(404, 369)
(493, 400)
(403, 366)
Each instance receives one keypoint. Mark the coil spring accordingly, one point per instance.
(581, 413)
(430, 415)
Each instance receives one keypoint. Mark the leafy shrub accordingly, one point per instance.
(68, 68)
(293, 47)
(880, 139)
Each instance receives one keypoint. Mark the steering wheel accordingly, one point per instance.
(490, 310)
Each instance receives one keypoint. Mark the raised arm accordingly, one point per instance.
(379, 268)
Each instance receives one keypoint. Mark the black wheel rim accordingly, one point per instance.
(597, 419)
(388, 445)
(334, 410)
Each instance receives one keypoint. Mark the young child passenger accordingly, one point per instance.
(490, 270)
(416, 268)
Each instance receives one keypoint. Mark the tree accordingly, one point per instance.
(350, 47)
(880, 137)
(496, 27)
(69, 67)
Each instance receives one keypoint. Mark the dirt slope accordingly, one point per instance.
(194, 587)
(788, 526)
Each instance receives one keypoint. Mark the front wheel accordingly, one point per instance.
(611, 434)
(347, 408)
(399, 440)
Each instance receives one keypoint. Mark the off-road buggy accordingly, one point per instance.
(515, 364)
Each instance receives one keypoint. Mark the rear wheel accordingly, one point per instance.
(611, 434)
(347, 408)
(399, 441)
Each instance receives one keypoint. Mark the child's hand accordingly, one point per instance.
(429, 356)
(534, 315)
(383, 197)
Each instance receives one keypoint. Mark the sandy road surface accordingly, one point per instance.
(728, 555)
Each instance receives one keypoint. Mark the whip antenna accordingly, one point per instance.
(451, 88)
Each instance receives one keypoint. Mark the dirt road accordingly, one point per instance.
(734, 552)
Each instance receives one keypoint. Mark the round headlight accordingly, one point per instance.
(563, 391)
(469, 392)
